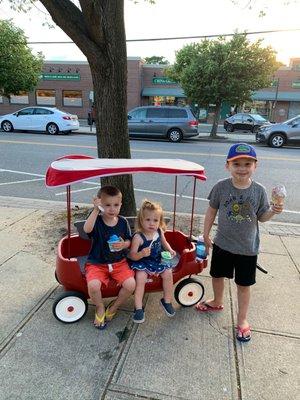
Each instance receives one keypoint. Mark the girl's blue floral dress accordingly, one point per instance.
(152, 264)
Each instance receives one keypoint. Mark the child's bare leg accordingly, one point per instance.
(140, 277)
(167, 279)
(126, 291)
(217, 300)
(94, 289)
(243, 296)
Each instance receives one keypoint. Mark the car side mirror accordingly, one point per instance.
(294, 125)
(129, 116)
(249, 120)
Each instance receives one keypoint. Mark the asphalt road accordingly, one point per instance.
(26, 156)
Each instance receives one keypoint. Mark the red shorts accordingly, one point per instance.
(118, 271)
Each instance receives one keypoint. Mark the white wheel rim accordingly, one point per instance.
(277, 141)
(190, 294)
(174, 135)
(70, 309)
(6, 126)
(52, 129)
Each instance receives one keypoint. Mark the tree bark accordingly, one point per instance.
(214, 128)
(98, 29)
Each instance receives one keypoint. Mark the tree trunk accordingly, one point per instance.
(214, 128)
(98, 29)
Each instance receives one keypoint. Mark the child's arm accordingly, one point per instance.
(209, 218)
(166, 245)
(274, 209)
(90, 222)
(121, 244)
(134, 254)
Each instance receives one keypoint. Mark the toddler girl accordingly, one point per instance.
(145, 251)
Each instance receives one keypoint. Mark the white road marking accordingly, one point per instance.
(97, 183)
(24, 181)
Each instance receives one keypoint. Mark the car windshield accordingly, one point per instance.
(291, 120)
(258, 117)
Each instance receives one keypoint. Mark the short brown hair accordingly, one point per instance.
(109, 191)
(148, 205)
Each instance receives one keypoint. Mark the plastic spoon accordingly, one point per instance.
(155, 237)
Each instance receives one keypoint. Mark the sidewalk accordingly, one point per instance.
(239, 136)
(190, 357)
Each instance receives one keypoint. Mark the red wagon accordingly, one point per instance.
(71, 305)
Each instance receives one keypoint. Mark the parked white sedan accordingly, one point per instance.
(46, 119)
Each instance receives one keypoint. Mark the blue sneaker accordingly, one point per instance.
(138, 316)
(168, 308)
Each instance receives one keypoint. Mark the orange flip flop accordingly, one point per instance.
(204, 307)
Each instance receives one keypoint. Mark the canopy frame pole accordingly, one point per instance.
(69, 219)
(175, 203)
(193, 207)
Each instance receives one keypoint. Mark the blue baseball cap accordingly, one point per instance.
(241, 150)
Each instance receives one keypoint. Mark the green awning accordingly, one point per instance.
(263, 95)
(150, 91)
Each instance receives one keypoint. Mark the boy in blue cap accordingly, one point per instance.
(240, 203)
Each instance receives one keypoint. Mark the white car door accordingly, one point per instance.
(23, 119)
(40, 118)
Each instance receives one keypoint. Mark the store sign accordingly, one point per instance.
(60, 77)
(296, 84)
(163, 80)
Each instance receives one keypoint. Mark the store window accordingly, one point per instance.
(72, 98)
(20, 98)
(1, 99)
(45, 97)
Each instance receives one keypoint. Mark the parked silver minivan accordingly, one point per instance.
(173, 123)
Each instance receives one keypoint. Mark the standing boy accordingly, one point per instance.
(108, 261)
(241, 203)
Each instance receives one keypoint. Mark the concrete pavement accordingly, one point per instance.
(204, 132)
(192, 356)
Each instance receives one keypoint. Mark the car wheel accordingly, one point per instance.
(255, 129)
(188, 292)
(175, 135)
(7, 126)
(276, 140)
(52, 128)
(230, 128)
(70, 307)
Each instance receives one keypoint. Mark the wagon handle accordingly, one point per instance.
(175, 200)
(193, 206)
(69, 219)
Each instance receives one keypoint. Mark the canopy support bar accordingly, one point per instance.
(69, 219)
(175, 200)
(193, 207)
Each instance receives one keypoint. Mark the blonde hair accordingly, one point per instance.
(148, 205)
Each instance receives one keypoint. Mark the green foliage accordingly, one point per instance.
(19, 68)
(156, 60)
(217, 71)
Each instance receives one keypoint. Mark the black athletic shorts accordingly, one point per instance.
(224, 263)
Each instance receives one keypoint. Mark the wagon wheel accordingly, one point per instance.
(70, 307)
(189, 292)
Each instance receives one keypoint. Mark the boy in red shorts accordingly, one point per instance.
(108, 261)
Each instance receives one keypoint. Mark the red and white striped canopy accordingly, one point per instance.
(75, 168)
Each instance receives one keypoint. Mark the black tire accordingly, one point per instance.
(255, 128)
(188, 292)
(7, 126)
(70, 307)
(277, 140)
(66, 132)
(175, 135)
(230, 128)
(52, 128)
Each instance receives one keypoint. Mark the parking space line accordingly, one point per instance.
(24, 181)
(21, 172)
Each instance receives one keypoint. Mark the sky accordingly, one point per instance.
(173, 18)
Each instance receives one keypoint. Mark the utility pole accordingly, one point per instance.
(275, 101)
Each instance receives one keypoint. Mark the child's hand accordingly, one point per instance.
(277, 208)
(118, 246)
(97, 203)
(146, 252)
(208, 244)
(173, 252)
